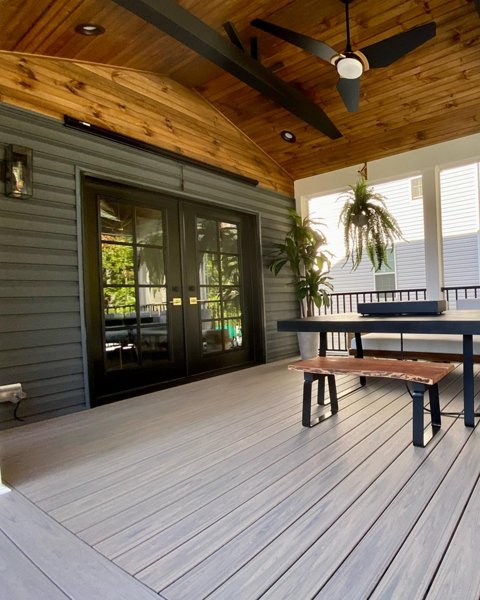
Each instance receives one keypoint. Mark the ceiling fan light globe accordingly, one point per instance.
(349, 67)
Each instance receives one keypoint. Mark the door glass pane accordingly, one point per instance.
(120, 328)
(119, 300)
(116, 221)
(207, 235)
(153, 302)
(154, 340)
(210, 293)
(213, 337)
(230, 294)
(151, 266)
(231, 303)
(149, 226)
(134, 286)
(210, 310)
(230, 269)
(229, 238)
(234, 329)
(117, 264)
(219, 285)
(208, 270)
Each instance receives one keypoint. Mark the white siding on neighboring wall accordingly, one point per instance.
(460, 223)
(40, 316)
(409, 254)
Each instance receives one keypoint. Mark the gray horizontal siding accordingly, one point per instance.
(410, 265)
(41, 342)
(460, 225)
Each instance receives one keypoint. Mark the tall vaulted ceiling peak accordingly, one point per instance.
(427, 96)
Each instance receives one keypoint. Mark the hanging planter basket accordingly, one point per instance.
(368, 226)
(360, 220)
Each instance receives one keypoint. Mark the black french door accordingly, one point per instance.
(172, 289)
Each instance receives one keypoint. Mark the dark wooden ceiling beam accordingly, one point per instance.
(233, 36)
(177, 22)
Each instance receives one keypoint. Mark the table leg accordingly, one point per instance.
(359, 353)
(322, 351)
(468, 392)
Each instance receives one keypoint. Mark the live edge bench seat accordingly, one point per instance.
(423, 375)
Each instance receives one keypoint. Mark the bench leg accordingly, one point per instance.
(308, 379)
(420, 438)
(321, 390)
(435, 406)
(322, 351)
(332, 390)
(307, 399)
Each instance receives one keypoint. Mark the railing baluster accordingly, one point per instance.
(341, 302)
(465, 291)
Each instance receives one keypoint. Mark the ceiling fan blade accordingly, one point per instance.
(386, 52)
(305, 42)
(349, 90)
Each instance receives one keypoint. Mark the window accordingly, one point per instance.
(385, 278)
(416, 188)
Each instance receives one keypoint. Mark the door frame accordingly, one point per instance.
(258, 315)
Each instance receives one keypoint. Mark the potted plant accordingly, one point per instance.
(304, 252)
(367, 225)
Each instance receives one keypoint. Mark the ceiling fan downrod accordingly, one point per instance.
(347, 21)
(348, 64)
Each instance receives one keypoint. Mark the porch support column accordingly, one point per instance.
(432, 223)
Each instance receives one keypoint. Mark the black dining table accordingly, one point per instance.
(451, 322)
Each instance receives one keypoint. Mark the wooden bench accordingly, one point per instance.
(423, 375)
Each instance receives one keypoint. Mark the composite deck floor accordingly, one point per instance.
(214, 490)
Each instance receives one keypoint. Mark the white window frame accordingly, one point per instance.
(391, 272)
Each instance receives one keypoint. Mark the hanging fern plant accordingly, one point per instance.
(368, 225)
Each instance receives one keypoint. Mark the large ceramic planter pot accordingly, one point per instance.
(308, 343)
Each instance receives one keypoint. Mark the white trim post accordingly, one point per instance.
(432, 223)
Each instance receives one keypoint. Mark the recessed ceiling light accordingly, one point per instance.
(288, 136)
(89, 29)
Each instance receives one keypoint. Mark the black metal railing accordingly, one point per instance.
(452, 294)
(122, 309)
(343, 302)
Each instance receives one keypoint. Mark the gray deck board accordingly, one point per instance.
(269, 459)
(290, 479)
(288, 531)
(282, 458)
(165, 465)
(20, 578)
(215, 490)
(422, 551)
(138, 429)
(458, 577)
(76, 569)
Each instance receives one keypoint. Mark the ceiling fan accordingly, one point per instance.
(351, 64)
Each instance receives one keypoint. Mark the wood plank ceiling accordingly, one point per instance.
(430, 95)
